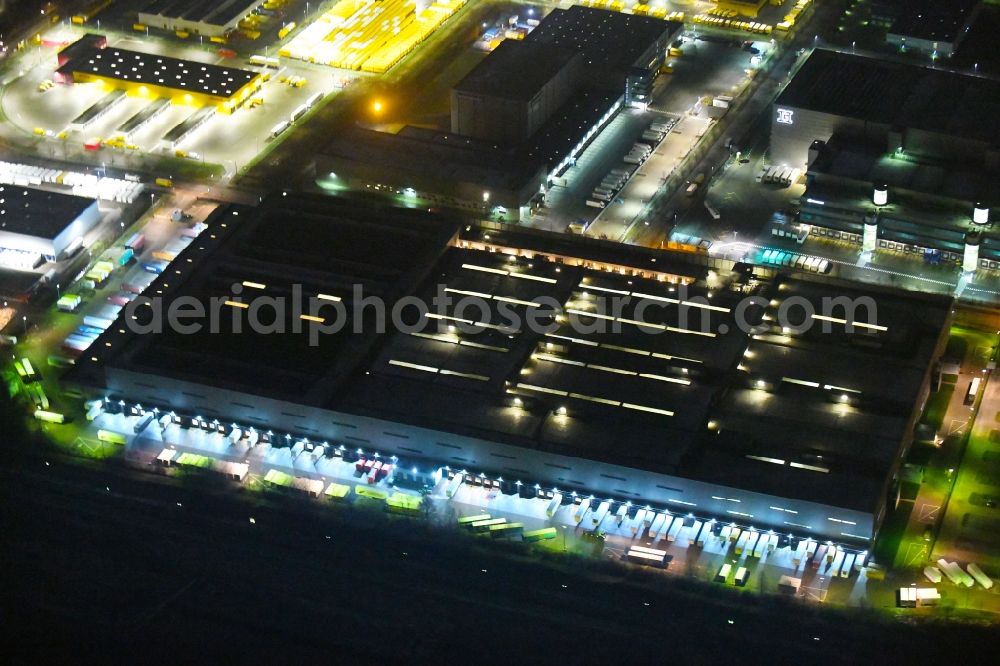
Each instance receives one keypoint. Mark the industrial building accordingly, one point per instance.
(898, 156)
(518, 119)
(668, 399)
(621, 52)
(153, 76)
(523, 83)
(38, 225)
(508, 96)
(933, 27)
(211, 19)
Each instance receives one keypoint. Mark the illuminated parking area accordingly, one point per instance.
(368, 35)
(123, 134)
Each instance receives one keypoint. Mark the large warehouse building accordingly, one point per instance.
(708, 407)
(150, 75)
(519, 118)
(899, 157)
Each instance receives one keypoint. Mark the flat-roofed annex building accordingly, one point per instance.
(928, 139)
(212, 19)
(918, 109)
(151, 75)
(42, 224)
(666, 400)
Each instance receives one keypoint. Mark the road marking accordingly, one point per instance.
(928, 512)
(817, 593)
(957, 427)
(916, 552)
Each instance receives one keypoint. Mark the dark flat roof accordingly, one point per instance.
(933, 20)
(640, 397)
(516, 70)
(899, 94)
(852, 160)
(605, 38)
(39, 213)
(322, 244)
(136, 67)
(219, 12)
(440, 155)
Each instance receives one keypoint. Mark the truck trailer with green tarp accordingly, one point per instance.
(468, 520)
(194, 460)
(370, 492)
(506, 530)
(540, 535)
(278, 478)
(403, 503)
(111, 437)
(337, 491)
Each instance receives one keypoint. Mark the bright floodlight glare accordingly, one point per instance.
(880, 197)
(980, 214)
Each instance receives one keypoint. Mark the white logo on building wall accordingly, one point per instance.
(785, 116)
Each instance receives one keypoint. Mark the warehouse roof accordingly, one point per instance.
(932, 20)
(606, 39)
(903, 95)
(220, 13)
(157, 70)
(429, 154)
(652, 373)
(40, 213)
(516, 70)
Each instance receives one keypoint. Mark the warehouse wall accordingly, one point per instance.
(52, 248)
(790, 140)
(414, 444)
(508, 121)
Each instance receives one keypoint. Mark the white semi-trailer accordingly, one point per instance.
(553, 505)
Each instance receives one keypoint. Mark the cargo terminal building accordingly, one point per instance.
(796, 431)
(530, 107)
(898, 157)
(154, 76)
